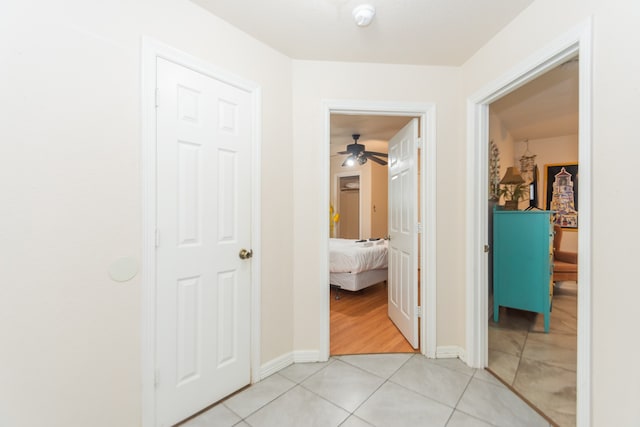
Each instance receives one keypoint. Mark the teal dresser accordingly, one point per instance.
(523, 261)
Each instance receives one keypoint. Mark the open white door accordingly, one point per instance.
(204, 220)
(403, 231)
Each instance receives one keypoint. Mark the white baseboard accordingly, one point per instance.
(306, 356)
(450, 352)
(281, 362)
(274, 365)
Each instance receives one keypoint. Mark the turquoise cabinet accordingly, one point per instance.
(523, 261)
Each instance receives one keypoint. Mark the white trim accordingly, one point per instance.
(427, 114)
(306, 356)
(287, 359)
(275, 365)
(450, 352)
(575, 42)
(150, 51)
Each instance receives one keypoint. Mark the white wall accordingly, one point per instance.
(616, 102)
(71, 197)
(314, 82)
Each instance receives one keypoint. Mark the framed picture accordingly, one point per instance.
(561, 187)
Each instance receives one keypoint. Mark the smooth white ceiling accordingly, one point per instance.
(425, 32)
(543, 108)
(375, 131)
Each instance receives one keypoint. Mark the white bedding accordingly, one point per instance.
(347, 256)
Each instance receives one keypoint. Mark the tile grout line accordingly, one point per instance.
(269, 402)
(386, 380)
(455, 407)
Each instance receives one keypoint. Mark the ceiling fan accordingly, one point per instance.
(358, 154)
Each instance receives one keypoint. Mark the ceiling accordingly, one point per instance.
(423, 32)
(543, 108)
(375, 131)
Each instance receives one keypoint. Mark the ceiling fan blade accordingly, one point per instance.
(375, 153)
(342, 152)
(377, 160)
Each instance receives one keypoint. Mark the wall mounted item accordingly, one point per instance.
(561, 189)
(529, 172)
(494, 171)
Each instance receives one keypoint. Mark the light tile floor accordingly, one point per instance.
(540, 366)
(374, 390)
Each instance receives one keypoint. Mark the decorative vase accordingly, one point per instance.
(511, 205)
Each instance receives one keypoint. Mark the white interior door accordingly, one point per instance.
(403, 231)
(203, 220)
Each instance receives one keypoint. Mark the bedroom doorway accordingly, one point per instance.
(359, 314)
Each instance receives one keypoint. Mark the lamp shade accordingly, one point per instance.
(512, 176)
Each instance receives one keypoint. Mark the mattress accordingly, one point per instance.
(350, 256)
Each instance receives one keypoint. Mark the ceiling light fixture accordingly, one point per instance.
(363, 14)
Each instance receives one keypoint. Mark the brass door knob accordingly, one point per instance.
(245, 254)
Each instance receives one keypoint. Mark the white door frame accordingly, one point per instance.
(336, 193)
(575, 42)
(151, 50)
(427, 262)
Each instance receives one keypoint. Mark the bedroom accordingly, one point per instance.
(360, 321)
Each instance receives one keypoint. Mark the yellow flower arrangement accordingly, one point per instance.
(334, 217)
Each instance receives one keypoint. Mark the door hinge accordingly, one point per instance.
(156, 378)
(487, 248)
(418, 311)
(157, 237)
(419, 143)
(157, 97)
(419, 228)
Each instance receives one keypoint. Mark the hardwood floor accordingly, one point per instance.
(359, 323)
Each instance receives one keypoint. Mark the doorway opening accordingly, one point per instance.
(531, 142)
(373, 215)
(575, 43)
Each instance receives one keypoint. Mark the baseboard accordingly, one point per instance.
(450, 352)
(281, 362)
(306, 356)
(274, 365)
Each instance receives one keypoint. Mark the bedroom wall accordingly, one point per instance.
(314, 82)
(71, 190)
(373, 189)
(616, 101)
(365, 189)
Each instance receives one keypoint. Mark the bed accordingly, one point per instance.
(356, 265)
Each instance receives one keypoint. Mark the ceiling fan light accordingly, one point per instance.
(350, 161)
(362, 160)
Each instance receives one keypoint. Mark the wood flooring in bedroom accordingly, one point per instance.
(360, 324)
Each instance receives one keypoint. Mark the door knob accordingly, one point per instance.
(388, 237)
(245, 254)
